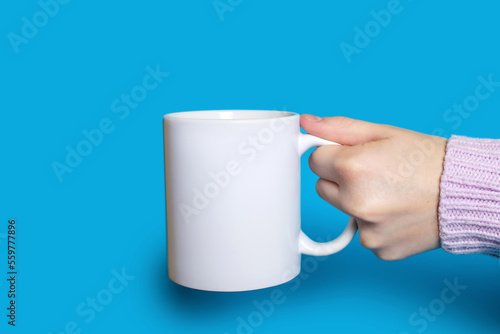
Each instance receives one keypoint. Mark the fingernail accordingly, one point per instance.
(313, 118)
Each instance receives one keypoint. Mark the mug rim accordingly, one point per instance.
(227, 115)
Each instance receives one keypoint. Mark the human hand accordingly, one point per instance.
(387, 178)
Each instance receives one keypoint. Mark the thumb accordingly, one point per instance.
(343, 130)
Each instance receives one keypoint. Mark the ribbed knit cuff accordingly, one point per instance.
(469, 204)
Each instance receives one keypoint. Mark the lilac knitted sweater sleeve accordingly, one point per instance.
(469, 203)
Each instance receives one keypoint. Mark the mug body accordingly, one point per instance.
(233, 198)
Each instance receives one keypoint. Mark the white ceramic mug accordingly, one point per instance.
(233, 199)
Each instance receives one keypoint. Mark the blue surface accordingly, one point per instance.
(108, 212)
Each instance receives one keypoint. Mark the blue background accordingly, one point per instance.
(109, 212)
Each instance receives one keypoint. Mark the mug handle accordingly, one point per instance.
(306, 245)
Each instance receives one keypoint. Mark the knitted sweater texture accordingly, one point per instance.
(469, 204)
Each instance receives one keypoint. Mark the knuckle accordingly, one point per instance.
(389, 255)
(350, 167)
(368, 239)
(320, 188)
(365, 208)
